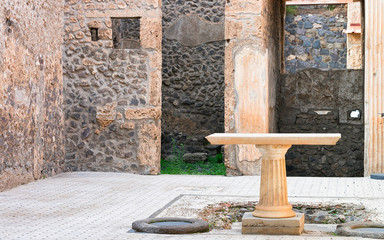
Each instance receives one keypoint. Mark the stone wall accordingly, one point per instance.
(254, 34)
(354, 37)
(314, 37)
(193, 74)
(112, 95)
(315, 101)
(31, 116)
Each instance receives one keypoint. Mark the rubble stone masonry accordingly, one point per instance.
(314, 38)
(112, 95)
(317, 101)
(193, 74)
(31, 116)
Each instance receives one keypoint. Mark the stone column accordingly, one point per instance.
(354, 37)
(273, 201)
(374, 87)
(253, 30)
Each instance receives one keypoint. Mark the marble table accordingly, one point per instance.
(273, 202)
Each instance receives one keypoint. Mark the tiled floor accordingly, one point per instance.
(104, 205)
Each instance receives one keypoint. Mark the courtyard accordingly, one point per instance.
(86, 205)
(101, 100)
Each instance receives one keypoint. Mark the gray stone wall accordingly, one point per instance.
(31, 91)
(315, 101)
(126, 33)
(193, 73)
(314, 37)
(112, 96)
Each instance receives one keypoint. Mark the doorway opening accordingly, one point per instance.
(193, 50)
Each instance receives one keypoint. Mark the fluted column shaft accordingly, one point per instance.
(273, 201)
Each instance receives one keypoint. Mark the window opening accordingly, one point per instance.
(126, 33)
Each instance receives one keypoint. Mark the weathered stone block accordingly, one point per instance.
(105, 34)
(143, 113)
(121, 5)
(193, 31)
(235, 7)
(79, 35)
(89, 61)
(95, 24)
(171, 158)
(151, 33)
(128, 125)
(106, 114)
(195, 157)
(148, 151)
(233, 28)
(155, 88)
(272, 226)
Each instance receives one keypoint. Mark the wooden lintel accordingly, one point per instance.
(317, 2)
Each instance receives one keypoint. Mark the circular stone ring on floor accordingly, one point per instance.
(365, 230)
(377, 176)
(171, 225)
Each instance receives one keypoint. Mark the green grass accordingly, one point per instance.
(291, 10)
(213, 166)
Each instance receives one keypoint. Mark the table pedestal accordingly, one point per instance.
(273, 214)
(273, 201)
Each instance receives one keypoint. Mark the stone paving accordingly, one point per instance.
(103, 205)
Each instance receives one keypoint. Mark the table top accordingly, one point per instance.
(275, 138)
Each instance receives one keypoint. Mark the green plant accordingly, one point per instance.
(332, 211)
(291, 10)
(331, 7)
(213, 166)
(177, 151)
(326, 221)
(218, 158)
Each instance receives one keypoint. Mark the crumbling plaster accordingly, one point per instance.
(31, 116)
(252, 28)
